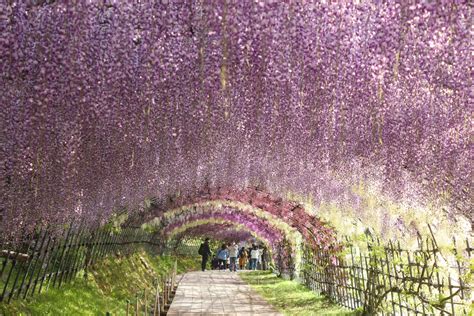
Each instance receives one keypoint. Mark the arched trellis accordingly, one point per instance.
(251, 200)
(284, 251)
(254, 224)
(226, 232)
(264, 225)
(219, 223)
(229, 209)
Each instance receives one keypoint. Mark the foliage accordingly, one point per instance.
(386, 278)
(115, 222)
(107, 288)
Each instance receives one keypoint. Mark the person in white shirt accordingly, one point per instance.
(233, 254)
(254, 254)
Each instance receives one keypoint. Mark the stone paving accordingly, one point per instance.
(217, 293)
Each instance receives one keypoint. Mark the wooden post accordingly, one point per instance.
(163, 295)
(169, 288)
(175, 272)
(390, 283)
(157, 308)
(137, 304)
(166, 290)
(146, 302)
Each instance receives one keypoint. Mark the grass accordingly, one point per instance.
(107, 287)
(290, 297)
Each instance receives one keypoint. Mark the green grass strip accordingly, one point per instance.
(290, 297)
(107, 287)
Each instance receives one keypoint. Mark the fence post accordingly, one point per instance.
(137, 305)
(390, 277)
(163, 296)
(157, 308)
(146, 302)
(175, 271)
(169, 289)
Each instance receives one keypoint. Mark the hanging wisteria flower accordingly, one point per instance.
(106, 104)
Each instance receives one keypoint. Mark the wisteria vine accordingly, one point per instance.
(107, 104)
(226, 232)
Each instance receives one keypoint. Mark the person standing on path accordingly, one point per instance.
(254, 255)
(233, 254)
(205, 252)
(243, 258)
(222, 255)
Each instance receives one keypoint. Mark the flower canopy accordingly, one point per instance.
(260, 212)
(107, 104)
(220, 231)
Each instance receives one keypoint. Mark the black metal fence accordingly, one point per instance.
(385, 279)
(46, 260)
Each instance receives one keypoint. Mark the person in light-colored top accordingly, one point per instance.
(222, 256)
(233, 254)
(254, 254)
(259, 261)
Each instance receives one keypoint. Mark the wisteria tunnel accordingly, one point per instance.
(335, 136)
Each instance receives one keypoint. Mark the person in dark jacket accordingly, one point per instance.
(205, 252)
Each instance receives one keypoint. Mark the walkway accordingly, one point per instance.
(217, 293)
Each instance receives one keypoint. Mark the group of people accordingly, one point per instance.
(229, 256)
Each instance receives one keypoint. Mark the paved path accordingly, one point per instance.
(217, 293)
